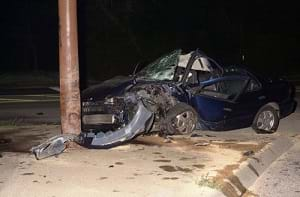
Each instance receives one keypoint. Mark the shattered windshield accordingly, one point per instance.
(161, 69)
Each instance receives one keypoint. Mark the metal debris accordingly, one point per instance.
(140, 123)
(52, 146)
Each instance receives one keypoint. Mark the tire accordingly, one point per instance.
(266, 120)
(180, 120)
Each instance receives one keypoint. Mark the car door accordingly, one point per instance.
(215, 101)
(246, 105)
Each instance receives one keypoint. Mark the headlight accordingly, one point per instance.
(109, 100)
(88, 103)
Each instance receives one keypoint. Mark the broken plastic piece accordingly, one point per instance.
(53, 146)
(140, 123)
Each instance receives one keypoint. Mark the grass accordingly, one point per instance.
(206, 181)
(28, 79)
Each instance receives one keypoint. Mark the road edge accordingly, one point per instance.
(250, 170)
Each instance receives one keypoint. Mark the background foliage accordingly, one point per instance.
(116, 34)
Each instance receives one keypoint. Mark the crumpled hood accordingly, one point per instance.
(113, 87)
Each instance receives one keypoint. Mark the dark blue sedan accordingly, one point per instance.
(184, 92)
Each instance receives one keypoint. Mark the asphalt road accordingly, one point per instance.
(28, 108)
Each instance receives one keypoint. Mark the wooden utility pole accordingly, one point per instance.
(69, 67)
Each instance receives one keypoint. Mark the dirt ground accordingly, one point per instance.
(148, 166)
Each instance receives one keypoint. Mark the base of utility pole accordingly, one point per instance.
(70, 106)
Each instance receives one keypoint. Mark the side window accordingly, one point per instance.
(252, 86)
(227, 89)
(212, 87)
(233, 87)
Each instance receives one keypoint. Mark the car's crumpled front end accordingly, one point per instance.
(104, 106)
(138, 120)
(108, 114)
(121, 108)
(105, 120)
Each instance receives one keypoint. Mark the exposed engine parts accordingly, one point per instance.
(140, 122)
(159, 95)
(159, 100)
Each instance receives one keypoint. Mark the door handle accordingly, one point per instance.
(227, 109)
(261, 97)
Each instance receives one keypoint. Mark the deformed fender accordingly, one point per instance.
(139, 124)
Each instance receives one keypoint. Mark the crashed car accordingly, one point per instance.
(174, 95)
(180, 92)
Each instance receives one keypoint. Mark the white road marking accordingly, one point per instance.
(10, 99)
(34, 98)
(33, 95)
(55, 89)
(27, 101)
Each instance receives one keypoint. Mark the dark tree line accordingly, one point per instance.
(116, 34)
(28, 35)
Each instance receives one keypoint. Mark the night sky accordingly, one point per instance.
(116, 34)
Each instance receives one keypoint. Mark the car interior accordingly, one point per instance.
(226, 89)
(201, 70)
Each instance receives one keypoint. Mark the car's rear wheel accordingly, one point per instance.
(180, 120)
(266, 120)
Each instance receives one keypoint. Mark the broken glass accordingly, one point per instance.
(161, 69)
